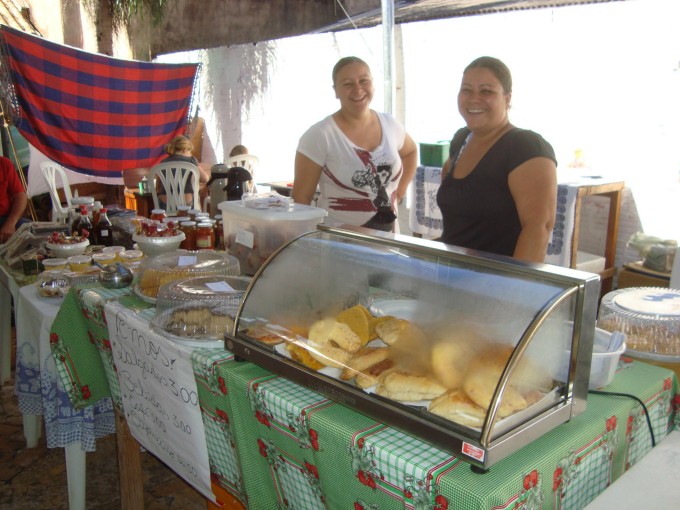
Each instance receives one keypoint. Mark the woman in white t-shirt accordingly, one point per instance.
(361, 160)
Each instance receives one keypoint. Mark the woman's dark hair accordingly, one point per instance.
(498, 68)
(345, 61)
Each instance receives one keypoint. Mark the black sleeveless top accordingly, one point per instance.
(478, 210)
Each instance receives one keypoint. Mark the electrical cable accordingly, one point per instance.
(627, 395)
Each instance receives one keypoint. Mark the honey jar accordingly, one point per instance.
(189, 229)
(205, 236)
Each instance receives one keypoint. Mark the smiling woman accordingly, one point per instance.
(361, 160)
(499, 185)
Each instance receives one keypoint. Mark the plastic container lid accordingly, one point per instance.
(162, 269)
(648, 316)
(199, 307)
(76, 201)
(297, 212)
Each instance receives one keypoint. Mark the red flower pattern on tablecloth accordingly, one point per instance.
(107, 345)
(314, 439)
(366, 479)
(85, 392)
(629, 425)
(223, 385)
(557, 478)
(440, 502)
(263, 447)
(312, 469)
(262, 418)
(667, 384)
(54, 339)
(222, 415)
(611, 424)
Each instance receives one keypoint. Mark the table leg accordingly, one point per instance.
(5, 334)
(32, 430)
(75, 476)
(129, 467)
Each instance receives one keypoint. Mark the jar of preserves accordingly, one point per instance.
(189, 229)
(205, 236)
(158, 214)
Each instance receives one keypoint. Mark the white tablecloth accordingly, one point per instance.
(37, 386)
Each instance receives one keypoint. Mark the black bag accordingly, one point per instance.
(382, 220)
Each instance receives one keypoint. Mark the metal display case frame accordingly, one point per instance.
(481, 448)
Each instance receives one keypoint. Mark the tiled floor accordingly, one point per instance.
(35, 478)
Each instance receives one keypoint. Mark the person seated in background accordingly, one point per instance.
(13, 200)
(499, 185)
(179, 149)
(238, 150)
(361, 160)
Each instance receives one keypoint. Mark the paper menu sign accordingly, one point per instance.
(160, 399)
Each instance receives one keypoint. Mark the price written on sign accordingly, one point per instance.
(159, 396)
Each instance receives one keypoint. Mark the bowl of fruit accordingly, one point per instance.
(63, 246)
(154, 238)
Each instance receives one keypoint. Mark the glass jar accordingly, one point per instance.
(157, 214)
(205, 236)
(189, 229)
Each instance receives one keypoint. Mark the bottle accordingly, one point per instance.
(143, 185)
(85, 225)
(96, 210)
(76, 222)
(104, 229)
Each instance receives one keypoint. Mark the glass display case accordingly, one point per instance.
(476, 354)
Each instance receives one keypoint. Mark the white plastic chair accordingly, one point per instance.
(173, 176)
(50, 171)
(247, 161)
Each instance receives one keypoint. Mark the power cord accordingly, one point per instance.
(627, 395)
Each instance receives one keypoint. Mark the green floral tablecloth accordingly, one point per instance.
(275, 444)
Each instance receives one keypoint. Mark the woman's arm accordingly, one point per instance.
(409, 161)
(307, 175)
(533, 185)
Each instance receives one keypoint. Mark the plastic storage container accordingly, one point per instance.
(157, 271)
(199, 309)
(252, 235)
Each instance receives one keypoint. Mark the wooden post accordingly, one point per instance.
(129, 467)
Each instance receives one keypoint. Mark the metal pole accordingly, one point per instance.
(388, 54)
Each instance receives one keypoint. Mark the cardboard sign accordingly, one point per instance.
(159, 395)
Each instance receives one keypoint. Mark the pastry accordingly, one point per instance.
(371, 375)
(264, 335)
(408, 386)
(331, 333)
(363, 359)
(390, 330)
(198, 321)
(456, 406)
(449, 362)
(301, 354)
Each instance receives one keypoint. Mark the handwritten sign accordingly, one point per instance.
(159, 397)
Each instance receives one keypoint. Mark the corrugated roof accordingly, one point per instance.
(14, 15)
(407, 11)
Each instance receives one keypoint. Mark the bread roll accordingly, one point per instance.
(390, 330)
(456, 406)
(331, 333)
(408, 387)
(363, 359)
(371, 375)
(449, 362)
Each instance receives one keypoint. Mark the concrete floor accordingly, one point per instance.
(35, 478)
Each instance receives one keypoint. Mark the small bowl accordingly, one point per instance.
(152, 246)
(54, 264)
(131, 256)
(64, 251)
(104, 258)
(79, 263)
(117, 250)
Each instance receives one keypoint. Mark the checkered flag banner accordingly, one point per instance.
(91, 113)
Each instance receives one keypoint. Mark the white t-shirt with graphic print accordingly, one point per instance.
(352, 177)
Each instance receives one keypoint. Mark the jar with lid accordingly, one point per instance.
(192, 213)
(183, 210)
(158, 214)
(205, 236)
(189, 229)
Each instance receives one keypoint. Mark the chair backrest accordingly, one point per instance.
(173, 176)
(247, 161)
(50, 171)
